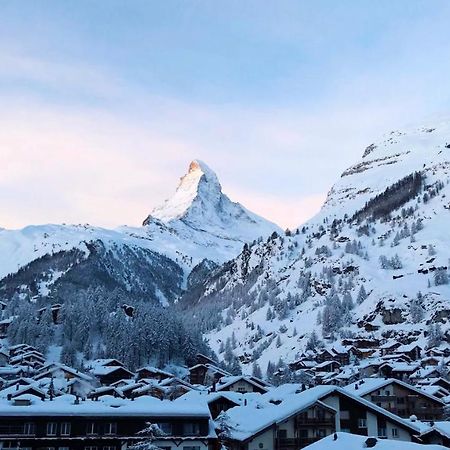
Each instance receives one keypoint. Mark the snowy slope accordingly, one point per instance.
(338, 251)
(199, 222)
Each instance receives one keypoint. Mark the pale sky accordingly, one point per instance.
(104, 103)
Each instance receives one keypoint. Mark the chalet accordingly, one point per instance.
(31, 358)
(396, 358)
(12, 372)
(95, 394)
(105, 424)
(436, 391)
(424, 373)
(107, 375)
(399, 398)
(108, 362)
(206, 374)
(221, 401)
(153, 373)
(203, 359)
(170, 388)
(127, 389)
(324, 355)
(431, 361)
(242, 384)
(29, 390)
(302, 364)
(362, 343)
(17, 349)
(438, 433)
(369, 367)
(346, 376)
(21, 381)
(327, 366)
(438, 381)
(389, 348)
(398, 370)
(413, 351)
(58, 370)
(300, 419)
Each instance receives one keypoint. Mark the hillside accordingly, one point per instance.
(372, 263)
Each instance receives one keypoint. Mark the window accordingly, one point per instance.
(241, 389)
(165, 427)
(28, 429)
(91, 428)
(345, 415)
(65, 429)
(382, 432)
(394, 432)
(282, 434)
(191, 429)
(110, 428)
(51, 428)
(362, 423)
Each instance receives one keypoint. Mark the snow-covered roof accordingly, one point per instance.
(226, 382)
(347, 441)
(155, 370)
(106, 406)
(247, 420)
(55, 367)
(442, 427)
(369, 385)
(407, 347)
(212, 368)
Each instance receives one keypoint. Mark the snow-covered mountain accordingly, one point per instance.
(381, 237)
(198, 227)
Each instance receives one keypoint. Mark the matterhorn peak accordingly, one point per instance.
(200, 180)
(200, 204)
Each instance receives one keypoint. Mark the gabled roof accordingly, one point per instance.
(325, 364)
(226, 382)
(101, 371)
(408, 347)
(251, 419)
(55, 367)
(211, 367)
(368, 385)
(155, 370)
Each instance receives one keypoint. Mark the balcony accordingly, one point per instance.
(316, 421)
(383, 398)
(15, 430)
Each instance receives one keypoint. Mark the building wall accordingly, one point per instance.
(264, 441)
(241, 386)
